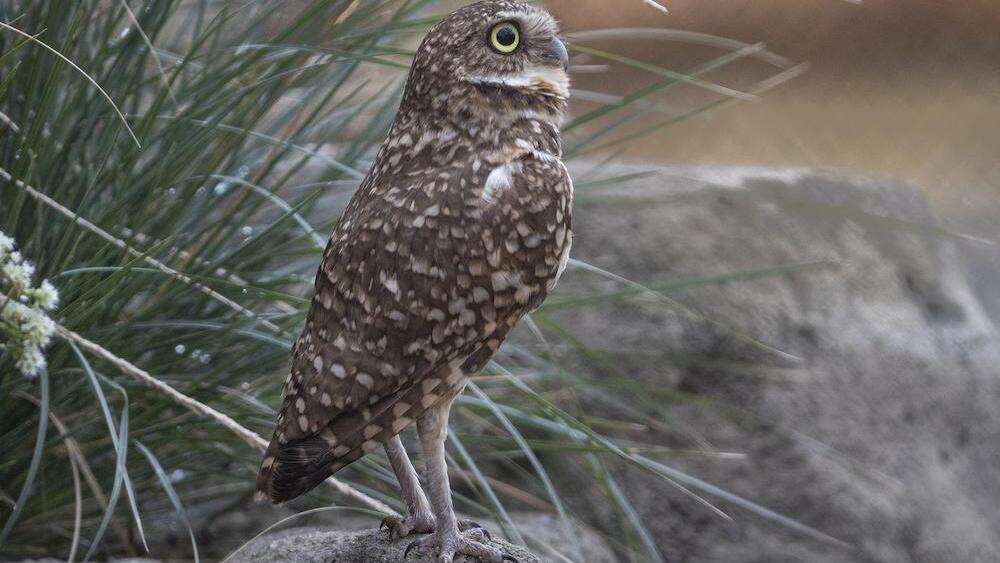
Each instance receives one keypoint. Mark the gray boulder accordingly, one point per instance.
(309, 545)
(884, 434)
(350, 539)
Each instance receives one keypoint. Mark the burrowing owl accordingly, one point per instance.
(460, 228)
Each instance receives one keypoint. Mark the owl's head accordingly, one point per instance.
(495, 59)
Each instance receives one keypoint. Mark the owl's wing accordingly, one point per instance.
(418, 287)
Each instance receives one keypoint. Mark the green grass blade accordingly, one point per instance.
(171, 494)
(120, 444)
(750, 506)
(535, 464)
(104, 93)
(505, 520)
(36, 458)
(687, 311)
(635, 521)
(122, 436)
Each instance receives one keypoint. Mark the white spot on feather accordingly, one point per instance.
(500, 179)
(392, 285)
(503, 280)
(400, 424)
(338, 371)
(563, 261)
(455, 376)
(365, 380)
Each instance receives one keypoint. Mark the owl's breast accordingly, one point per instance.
(442, 261)
(524, 206)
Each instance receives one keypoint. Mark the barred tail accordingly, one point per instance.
(300, 465)
(266, 474)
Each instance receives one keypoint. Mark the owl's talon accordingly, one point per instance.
(406, 552)
(472, 525)
(464, 525)
(401, 527)
(457, 542)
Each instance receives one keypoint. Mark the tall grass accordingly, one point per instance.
(174, 168)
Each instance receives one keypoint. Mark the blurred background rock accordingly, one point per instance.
(903, 89)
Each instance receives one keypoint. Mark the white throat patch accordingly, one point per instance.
(540, 79)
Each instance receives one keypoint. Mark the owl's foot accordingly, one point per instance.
(466, 525)
(474, 542)
(398, 527)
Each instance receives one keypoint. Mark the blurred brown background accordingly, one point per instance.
(907, 89)
(903, 88)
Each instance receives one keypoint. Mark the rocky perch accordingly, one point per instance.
(309, 545)
(349, 543)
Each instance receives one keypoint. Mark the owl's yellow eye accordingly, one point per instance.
(505, 38)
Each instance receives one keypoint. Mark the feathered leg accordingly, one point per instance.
(420, 520)
(432, 427)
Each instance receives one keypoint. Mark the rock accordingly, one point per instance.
(348, 535)
(130, 560)
(223, 527)
(885, 435)
(308, 545)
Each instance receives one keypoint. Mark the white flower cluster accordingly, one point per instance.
(25, 326)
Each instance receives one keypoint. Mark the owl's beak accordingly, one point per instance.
(558, 54)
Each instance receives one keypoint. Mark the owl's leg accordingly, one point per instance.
(432, 427)
(420, 520)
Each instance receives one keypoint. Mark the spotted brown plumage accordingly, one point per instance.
(461, 227)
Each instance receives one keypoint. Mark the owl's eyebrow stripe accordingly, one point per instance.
(532, 22)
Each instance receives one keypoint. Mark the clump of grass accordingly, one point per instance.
(173, 168)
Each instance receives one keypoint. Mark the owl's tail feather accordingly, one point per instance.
(299, 469)
(300, 465)
(266, 473)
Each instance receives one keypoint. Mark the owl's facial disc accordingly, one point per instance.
(521, 55)
(499, 61)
